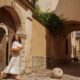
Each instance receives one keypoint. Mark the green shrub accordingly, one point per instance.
(49, 20)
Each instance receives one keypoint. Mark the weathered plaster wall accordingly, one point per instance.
(24, 28)
(38, 45)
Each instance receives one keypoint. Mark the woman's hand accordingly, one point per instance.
(21, 47)
(16, 50)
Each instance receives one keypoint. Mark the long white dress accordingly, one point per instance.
(14, 64)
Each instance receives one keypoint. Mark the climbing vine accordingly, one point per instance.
(50, 20)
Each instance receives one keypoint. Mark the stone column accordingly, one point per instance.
(27, 28)
(28, 46)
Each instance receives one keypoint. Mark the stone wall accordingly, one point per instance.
(22, 18)
(68, 9)
(26, 23)
(46, 50)
(38, 46)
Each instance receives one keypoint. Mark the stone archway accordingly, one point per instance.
(70, 26)
(70, 35)
(10, 14)
(3, 45)
(10, 23)
(59, 46)
(63, 43)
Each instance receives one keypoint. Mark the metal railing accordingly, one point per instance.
(31, 2)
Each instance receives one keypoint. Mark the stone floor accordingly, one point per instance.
(45, 76)
(71, 72)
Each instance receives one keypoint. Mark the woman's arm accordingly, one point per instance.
(16, 50)
(16, 47)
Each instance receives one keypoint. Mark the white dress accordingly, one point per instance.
(14, 65)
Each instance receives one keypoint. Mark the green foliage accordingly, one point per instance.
(36, 11)
(49, 20)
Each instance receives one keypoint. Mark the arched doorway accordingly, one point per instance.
(60, 47)
(70, 31)
(9, 25)
(3, 46)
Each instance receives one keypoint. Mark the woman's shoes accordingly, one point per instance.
(17, 77)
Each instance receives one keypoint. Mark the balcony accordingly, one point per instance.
(31, 2)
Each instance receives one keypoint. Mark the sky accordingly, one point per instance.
(48, 5)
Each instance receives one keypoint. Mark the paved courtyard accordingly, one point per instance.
(71, 72)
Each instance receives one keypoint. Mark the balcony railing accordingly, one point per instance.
(31, 2)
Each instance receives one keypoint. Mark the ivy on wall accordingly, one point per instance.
(50, 20)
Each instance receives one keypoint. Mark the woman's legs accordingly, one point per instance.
(17, 77)
(1, 75)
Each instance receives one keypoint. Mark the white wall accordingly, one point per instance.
(73, 43)
(69, 9)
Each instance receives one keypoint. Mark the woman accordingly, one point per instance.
(13, 67)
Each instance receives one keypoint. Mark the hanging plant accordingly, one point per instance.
(49, 20)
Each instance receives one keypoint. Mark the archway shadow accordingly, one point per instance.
(48, 56)
(2, 33)
(70, 68)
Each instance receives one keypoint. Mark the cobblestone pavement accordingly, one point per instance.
(71, 72)
(45, 76)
